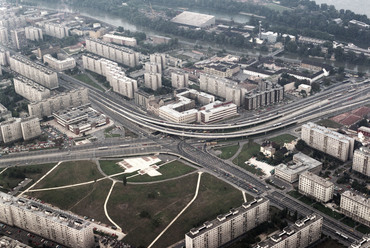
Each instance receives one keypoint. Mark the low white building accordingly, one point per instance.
(59, 65)
(120, 40)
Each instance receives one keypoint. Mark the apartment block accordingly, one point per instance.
(120, 40)
(301, 234)
(333, 143)
(65, 100)
(153, 67)
(4, 57)
(30, 128)
(221, 87)
(60, 65)
(272, 93)
(142, 98)
(356, 207)
(153, 80)
(48, 222)
(56, 30)
(316, 187)
(159, 58)
(29, 89)
(361, 161)
(34, 34)
(4, 38)
(114, 74)
(229, 226)
(11, 130)
(7, 242)
(222, 69)
(18, 37)
(36, 72)
(301, 162)
(113, 52)
(179, 79)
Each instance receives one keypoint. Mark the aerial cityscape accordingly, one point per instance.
(184, 124)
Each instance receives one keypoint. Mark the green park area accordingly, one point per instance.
(71, 173)
(12, 176)
(249, 150)
(85, 78)
(329, 123)
(109, 134)
(227, 151)
(110, 167)
(284, 138)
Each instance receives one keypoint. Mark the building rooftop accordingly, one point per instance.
(328, 132)
(222, 218)
(288, 231)
(301, 162)
(317, 179)
(357, 198)
(121, 48)
(53, 214)
(192, 19)
(7, 242)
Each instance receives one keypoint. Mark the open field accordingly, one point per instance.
(14, 175)
(211, 201)
(87, 200)
(246, 153)
(284, 138)
(328, 211)
(170, 170)
(329, 123)
(143, 211)
(227, 151)
(84, 78)
(364, 229)
(70, 173)
(110, 167)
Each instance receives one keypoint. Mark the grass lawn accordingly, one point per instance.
(328, 211)
(364, 229)
(228, 151)
(70, 173)
(349, 222)
(294, 194)
(143, 211)
(14, 175)
(211, 201)
(329, 123)
(84, 78)
(252, 169)
(87, 200)
(246, 153)
(110, 167)
(170, 170)
(284, 138)
(277, 7)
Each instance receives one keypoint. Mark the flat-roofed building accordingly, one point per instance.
(113, 52)
(217, 111)
(46, 107)
(364, 130)
(120, 40)
(333, 143)
(7, 242)
(153, 67)
(355, 206)
(316, 187)
(361, 161)
(56, 30)
(4, 37)
(30, 128)
(142, 98)
(29, 89)
(48, 222)
(301, 234)
(4, 57)
(33, 33)
(159, 58)
(222, 69)
(301, 162)
(193, 19)
(11, 130)
(18, 37)
(60, 65)
(37, 72)
(362, 243)
(153, 80)
(179, 79)
(229, 226)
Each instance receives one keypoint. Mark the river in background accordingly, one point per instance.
(357, 6)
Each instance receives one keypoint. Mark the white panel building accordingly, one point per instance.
(229, 226)
(356, 207)
(179, 79)
(153, 67)
(361, 161)
(120, 40)
(29, 89)
(33, 33)
(4, 37)
(153, 80)
(60, 65)
(316, 187)
(56, 30)
(333, 143)
(50, 223)
(30, 128)
(194, 19)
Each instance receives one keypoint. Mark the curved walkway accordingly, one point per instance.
(105, 207)
(182, 211)
(33, 185)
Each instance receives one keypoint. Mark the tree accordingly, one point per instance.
(33, 57)
(124, 180)
(301, 144)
